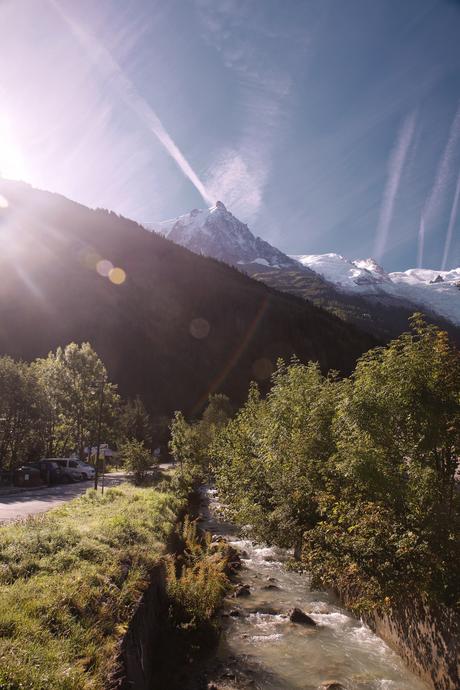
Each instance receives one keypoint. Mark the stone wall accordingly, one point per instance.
(139, 659)
(427, 638)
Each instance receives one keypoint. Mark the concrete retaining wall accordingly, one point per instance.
(427, 638)
(139, 659)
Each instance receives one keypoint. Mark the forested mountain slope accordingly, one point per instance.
(178, 327)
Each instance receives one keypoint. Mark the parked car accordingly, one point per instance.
(70, 468)
(50, 471)
(87, 471)
(27, 475)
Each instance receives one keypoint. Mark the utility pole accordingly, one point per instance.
(99, 424)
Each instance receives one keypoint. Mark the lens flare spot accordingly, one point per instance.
(104, 267)
(262, 368)
(117, 276)
(199, 328)
(3, 202)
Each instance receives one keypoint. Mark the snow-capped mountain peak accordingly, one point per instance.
(372, 266)
(216, 232)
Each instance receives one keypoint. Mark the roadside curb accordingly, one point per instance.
(11, 491)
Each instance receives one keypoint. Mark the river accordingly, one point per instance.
(260, 648)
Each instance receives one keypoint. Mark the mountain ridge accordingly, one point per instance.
(176, 328)
(355, 290)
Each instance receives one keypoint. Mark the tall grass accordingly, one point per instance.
(197, 582)
(69, 581)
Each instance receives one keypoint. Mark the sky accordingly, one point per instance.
(326, 126)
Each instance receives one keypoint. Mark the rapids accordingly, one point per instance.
(260, 648)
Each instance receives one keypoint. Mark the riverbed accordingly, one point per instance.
(260, 648)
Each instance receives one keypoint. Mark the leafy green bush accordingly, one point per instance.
(360, 473)
(136, 459)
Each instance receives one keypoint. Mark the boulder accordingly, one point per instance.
(332, 685)
(298, 616)
(271, 586)
(242, 591)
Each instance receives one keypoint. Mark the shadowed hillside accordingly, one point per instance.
(178, 327)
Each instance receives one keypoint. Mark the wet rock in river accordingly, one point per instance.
(233, 560)
(234, 613)
(332, 685)
(298, 616)
(271, 586)
(242, 591)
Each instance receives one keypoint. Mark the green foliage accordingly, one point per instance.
(23, 405)
(52, 406)
(190, 444)
(360, 471)
(136, 459)
(77, 388)
(70, 581)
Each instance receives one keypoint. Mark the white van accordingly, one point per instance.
(87, 471)
(71, 468)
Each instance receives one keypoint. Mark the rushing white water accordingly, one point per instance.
(261, 648)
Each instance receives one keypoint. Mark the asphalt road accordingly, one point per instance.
(32, 501)
(20, 505)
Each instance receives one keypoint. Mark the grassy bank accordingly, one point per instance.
(69, 581)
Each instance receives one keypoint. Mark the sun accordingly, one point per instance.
(11, 160)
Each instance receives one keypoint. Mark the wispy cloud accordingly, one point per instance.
(434, 203)
(395, 169)
(421, 241)
(240, 170)
(450, 228)
(127, 92)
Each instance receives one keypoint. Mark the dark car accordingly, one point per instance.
(49, 473)
(28, 475)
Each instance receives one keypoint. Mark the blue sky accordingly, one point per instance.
(325, 125)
